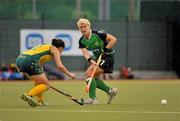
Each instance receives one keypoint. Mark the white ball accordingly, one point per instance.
(163, 101)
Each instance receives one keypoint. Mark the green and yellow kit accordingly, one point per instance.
(31, 61)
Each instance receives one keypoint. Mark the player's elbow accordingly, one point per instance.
(114, 39)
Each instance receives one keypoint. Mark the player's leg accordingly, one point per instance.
(39, 97)
(24, 65)
(107, 67)
(101, 85)
(92, 94)
(42, 85)
(36, 73)
(40, 100)
(92, 91)
(112, 92)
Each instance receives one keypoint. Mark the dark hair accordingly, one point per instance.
(58, 43)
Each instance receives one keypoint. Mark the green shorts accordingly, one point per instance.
(29, 64)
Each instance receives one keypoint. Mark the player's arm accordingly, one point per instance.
(56, 56)
(87, 56)
(112, 40)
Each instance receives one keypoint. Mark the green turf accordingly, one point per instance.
(136, 101)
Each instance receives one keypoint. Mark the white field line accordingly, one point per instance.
(89, 111)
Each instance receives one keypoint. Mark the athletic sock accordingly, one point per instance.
(92, 90)
(39, 89)
(102, 86)
(40, 98)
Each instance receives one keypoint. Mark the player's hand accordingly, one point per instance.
(88, 79)
(94, 63)
(104, 53)
(72, 75)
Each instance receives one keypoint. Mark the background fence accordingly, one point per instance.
(146, 40)
(143, 46)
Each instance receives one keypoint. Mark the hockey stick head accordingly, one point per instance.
(81, 102)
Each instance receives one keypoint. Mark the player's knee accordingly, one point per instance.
(46, 84)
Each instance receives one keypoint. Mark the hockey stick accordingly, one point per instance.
(69, 96)
(92, 74)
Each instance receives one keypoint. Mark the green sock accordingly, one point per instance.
(102, 86)
(92, 90)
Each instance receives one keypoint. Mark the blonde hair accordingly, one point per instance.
(83, 20)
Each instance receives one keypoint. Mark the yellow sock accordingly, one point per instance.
(40, 98)
(38, 90)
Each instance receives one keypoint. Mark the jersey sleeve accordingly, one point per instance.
(80, 43)
(102, 34)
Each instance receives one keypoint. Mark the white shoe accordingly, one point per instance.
(112, 93)
(42, 104)
(91, 101)
(29, 100)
